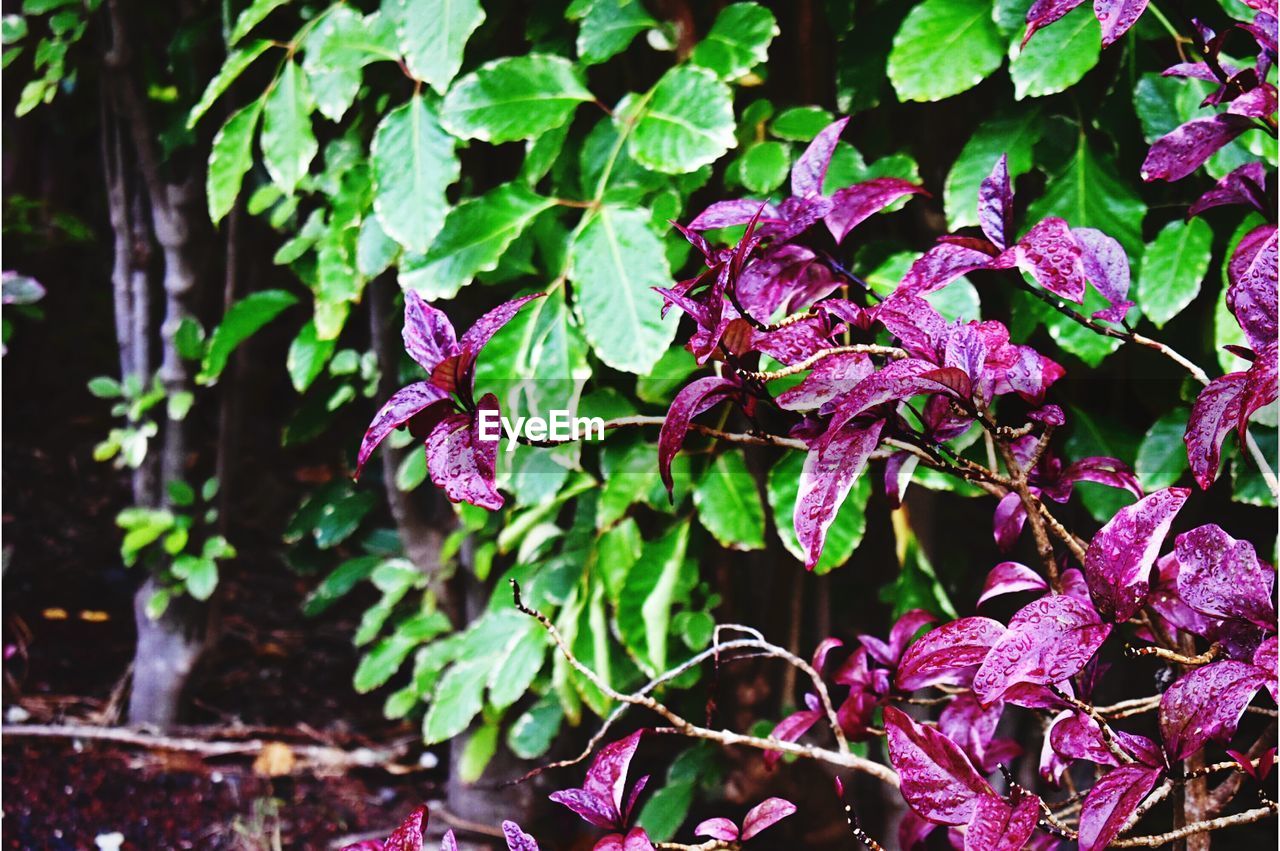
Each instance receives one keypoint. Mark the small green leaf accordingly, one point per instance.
(518, 97)
(179, 405)
(307, 357)
(288, 143)
(243, 319)
(413, 162)
(253, 15)
(737, 41)
(764, 166)
(1162, 456)
(728, 503)
(944, 47)
(531, 735)
(338, 583)
(105, 387)
(476, 753)
(232, 68)
(189, 340)
(685, 123)
(608, 27)
(800, 123)
(230, 159)
(1173, 266)
(1058, 56)
(199, 574)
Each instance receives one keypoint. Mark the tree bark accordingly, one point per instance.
(166, 651)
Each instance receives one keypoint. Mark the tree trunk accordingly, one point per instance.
(167, 649)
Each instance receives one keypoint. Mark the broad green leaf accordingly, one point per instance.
(233, 67)
(476, 753)
(1057, 57)
(413, 164)
(458, 699)
(230, 159)
(666, 377)
(475, 235)
(644, 612)
(728, 503)
(254, 14)
(243, 319)
(666, 809)
(105, 387)
(613, 263)
(627, 481)
(737, 41)
(617, 550)
(1162, 456)
(800, 123)
(764, 166)
(199, 575)
(336, 51)
(412, 471)
(288, 143)
(307, 356)
(375, 251)
(518, 662)
(944, 47)
(685, 123)
(339, 520)
(339, 583)
(608, 27)
(1089, 193)
(846, 530)
(1015, 134)
(531, 735)
(1173, 266)
(382, 661)
(433, 35)
(518, 97)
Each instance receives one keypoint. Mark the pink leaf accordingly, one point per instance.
(517, 839)
(1008, 577)
(764, 815)
(1116, 16)
(811, 168)
(1177, 154)
(448, 842)
(607, 776)
(693, 399)
(1215, 412)
(938, 781)
(1111, 802)
(995, 204)
(1207, 704)
(972, 726)
(1048, 641)
(588, 806)
(942, 264)
(1252, 291)
(855, 204)
(830, 469)
(723, 214)
(461, 461)
(996, 826)
(830, 377)
(950, 654)
(717, 828)
(421, 399)
(1222, 577)
(490, 323)
(1118, 562)
(408, 836)
(428, 334)
(1010, 515)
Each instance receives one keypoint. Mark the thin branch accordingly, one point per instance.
(799, 367)
(1173, 656)
(1246, 817)
(1108, 735)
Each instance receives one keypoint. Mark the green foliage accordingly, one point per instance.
(1173, 265)
(962, 31)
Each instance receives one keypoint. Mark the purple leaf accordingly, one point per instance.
(589, 806)
(461, 462)
(794, 341)
(1077, 736)
(1252, 291)
(1045, 12)
(830, 469)
(717, 828)
(419, 399)
(914, 322)
(723, 214)
(607, 777)
(1244, 185)
(517, 839)
(1111, 802)
(764, 815)
(1177, 154)
(972, 726)
(830, 377)
(635, 840)
(1222, 577)
(811, 168)
(903, 630)
(1255, 103)
(1010, 515)
(995, 204)
(898, 469)
(938, 781)
(948, 655)
(1107, 266)
(913, 830)
(1194, 71)
(490, 323)
(821, 652)
(1260, 387)
(943, 263)
(693, 399)
(1008, 577)
(448, 842)
(1116, 16)
(791, 728)
(1215, 412)
(853, 205)
(1265, 660)
(1207, 704)
(428, 334)
(897, 381)
(408, 836)
(1048, 641)
(996, 826)
(1118, 562)
(1100, 469)
(1050, 254)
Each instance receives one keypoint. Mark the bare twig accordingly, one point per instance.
(1155, 841)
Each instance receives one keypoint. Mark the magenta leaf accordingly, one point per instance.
(1177, 154)
(408, 836)
(1100, 469)
(723, 214)
(1007, 523)
(448, 842)
(1207, 704)
(903, 630)
(830, 377)
(461, 462)
(941, 265)
(428, 334)
(607, 777)
(1252, 291)
(1214, 414)
(1222, 577)
(1265, 660)
(517, 839)
(479, 334)
(830, 469)
(1050, 254)
(791, 728)
(1260, 388)
(1255, 103)
(419, 399)
(764, 815)
(996, 826)
(1244, 185)
(811, 168)
(897, 381)
(853, 205)
(995, 204)
(1111, 802)
(634, 840)
(1008, 577)
(1045, 12)
(972, 726)
(1107, 266)
(717, 828)
(693, 399)
(948, 655)
(1118, 562)
(1075, 735)
(589, 806)
(1048, 641)
(938, 781)
(1116, 16)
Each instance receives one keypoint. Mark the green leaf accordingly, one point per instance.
(1173, 266)
(1162, 456)
(476, 753)
(413, 164)
(644, 612)
(458, 699)
(475, 235)
(230, 159)
(728, 503)
(666, 377)
(800, 123)
(666, 809)
(627, 481)
(233, 67)
(518, 97)
(1093, 434)
(846, 530)
(764, 166)
(200, 575)
(307, 357)
(518, 662)
(616, 551)
(613, 263)
(608, 27)
(1072, 337)
(412, 471)
(288, 143)
(339, 583)
(738, 40)
(1247, 482)
(243, 319)
(189, 339)
(531, 735)
(339, 520)
(336, 51)
(253, 15)
(375, 251)
(944, 47)
(433, 35)
(1088, 193)
(381, 662)
(180, 493)
(179, 404)
(105, 387)
(1015, 134)
(1058, 56)
(685, 123)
